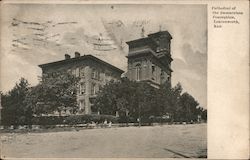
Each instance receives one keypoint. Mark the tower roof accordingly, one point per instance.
(160, 33)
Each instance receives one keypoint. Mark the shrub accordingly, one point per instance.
(73, 119)
(48, 120)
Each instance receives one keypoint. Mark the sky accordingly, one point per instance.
(34, 34)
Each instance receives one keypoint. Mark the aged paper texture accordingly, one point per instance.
(124, 79)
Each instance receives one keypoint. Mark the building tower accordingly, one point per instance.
(149, 58)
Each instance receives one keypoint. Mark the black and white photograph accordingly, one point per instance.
(104, 81)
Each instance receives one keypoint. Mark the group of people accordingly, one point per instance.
(104, 124)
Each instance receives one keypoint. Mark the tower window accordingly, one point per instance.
(168, 78)
(153, 69)
(153, 72)
(138, 72)
(162, 76)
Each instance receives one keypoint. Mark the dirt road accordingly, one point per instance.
(150, 142)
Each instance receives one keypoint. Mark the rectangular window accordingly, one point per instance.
(77, 72)
(138, 72)
(73, 72)
(97, 75)
(69, 71)
(82, 88)
(82, 72)
(82, 105)
(153, 72)
(93, 89)
(93, 74)
(168, 78)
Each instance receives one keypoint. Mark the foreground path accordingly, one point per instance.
(150, 142)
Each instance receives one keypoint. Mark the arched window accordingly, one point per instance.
(138, 72)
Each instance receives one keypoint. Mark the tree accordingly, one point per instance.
(55, 93)
(187, 108)
(136, 99)
(115, 97)
(141, 100)
(204, 115)
(169, 98)
(15, 111)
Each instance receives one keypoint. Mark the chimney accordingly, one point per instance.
(67, 56)
(77, 55)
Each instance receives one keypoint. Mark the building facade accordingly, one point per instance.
(93, 74)
(149, 59)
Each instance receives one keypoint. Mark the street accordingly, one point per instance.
(167, 141)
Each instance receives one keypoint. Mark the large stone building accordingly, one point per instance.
(93, 74)
(149, 59)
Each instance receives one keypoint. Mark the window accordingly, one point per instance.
(77, 72)
(93, 89)
(168, 77)
(82, 105)
(69, 70)
(162, 73)
(73, 72)
(82, 88)
(95, 74)
(157, 49)
(138, 72)
(162, 76)
(153, 69)
(153, 72)
(82, 72)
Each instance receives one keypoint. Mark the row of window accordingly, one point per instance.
(95, 74)
(94, 88)
(153, 73)
(78, 72)
(52, 74)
